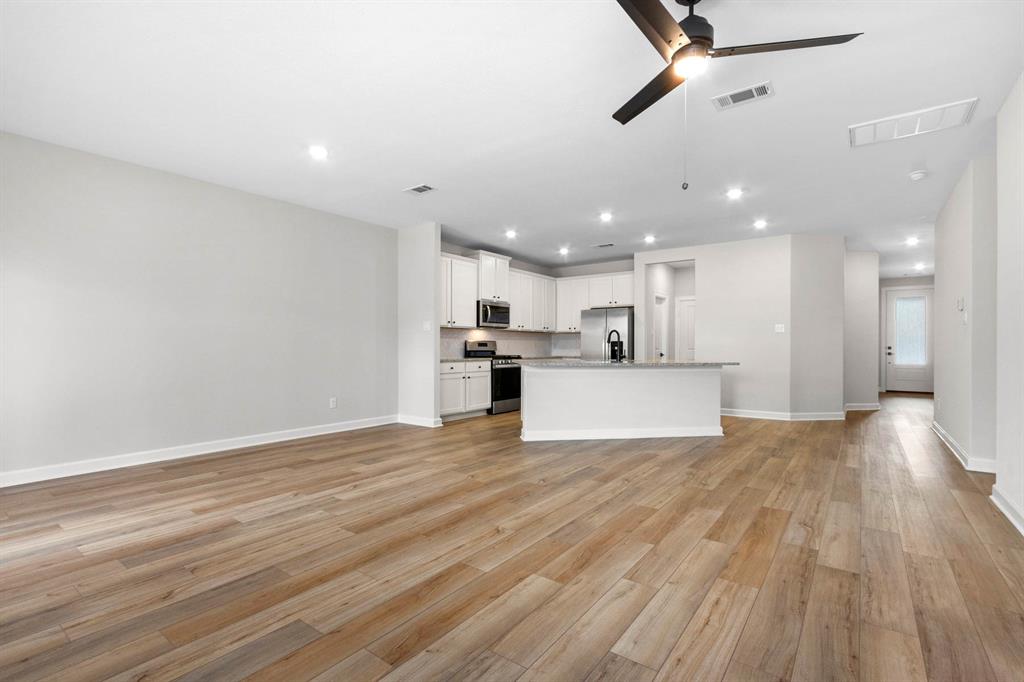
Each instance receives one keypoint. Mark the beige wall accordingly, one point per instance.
(143, 311)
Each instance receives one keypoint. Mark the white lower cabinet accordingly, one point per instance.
(465, 387)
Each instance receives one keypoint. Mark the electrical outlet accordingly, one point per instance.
(332, 403)
(780, 329)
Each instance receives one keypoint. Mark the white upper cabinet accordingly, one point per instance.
(622, 289)
(544, 304)
(458, 292)
(607, 290)
(494, 274)
(600, 292)
(520, 300)
(572, 297)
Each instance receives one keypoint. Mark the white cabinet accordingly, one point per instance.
(622, 289)
(572, 297)
(458, 292)
(544, 309)
(465, 386)
(609, 290)
(478, 391)
(494, 276)
(520, 301)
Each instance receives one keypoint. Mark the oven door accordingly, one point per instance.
(492, 314)
(505, 388)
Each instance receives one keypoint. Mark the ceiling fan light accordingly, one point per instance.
(691, 61)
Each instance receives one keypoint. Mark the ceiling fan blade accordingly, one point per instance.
(655, 22)
(664, 83)
(783, 45)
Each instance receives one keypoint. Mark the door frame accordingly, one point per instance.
(678, 323)
(883, 331)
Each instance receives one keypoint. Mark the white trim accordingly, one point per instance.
(785, 416)
(88, 466)
(981, 464)
(419, 421)
(857, 407)
(1009, 509)
(613, 434)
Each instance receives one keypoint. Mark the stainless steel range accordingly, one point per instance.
(505, 375)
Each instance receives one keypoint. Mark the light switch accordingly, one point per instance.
(780, 329)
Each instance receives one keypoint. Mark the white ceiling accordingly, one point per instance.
(506, 108)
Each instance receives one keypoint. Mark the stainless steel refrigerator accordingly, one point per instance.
(597, 324)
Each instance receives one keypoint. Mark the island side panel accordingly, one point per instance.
(587, 403)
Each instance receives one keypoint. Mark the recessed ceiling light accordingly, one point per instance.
(912, 241)
(919, 266)
(649, 239)
(318, 152)
(564, 251)
(760, 223)
(606, 217)
(510, 234)
(734, 193)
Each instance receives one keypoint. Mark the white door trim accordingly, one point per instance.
(679, 350)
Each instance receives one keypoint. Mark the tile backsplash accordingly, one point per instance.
(527, 344)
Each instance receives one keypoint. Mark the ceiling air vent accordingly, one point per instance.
(602, 246)
(733, 99)
(912, 123)
(419, 189)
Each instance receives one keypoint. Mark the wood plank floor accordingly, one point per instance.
(855, 550)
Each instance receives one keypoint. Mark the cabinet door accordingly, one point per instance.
(515, 313)
(487, 264)
(601, 292)
(552, 307)
(453, 394)
(526, 286)
(478, 391)
(581, 290)
(563, 305)
(462, 309)
(501, 279)
(540, 304)
(446, 292)
(622, 289)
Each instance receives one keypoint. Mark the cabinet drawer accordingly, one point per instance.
(478, 366)
(453, 368)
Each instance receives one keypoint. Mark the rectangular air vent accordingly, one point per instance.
(754, 92)
(912, 123)
(419, 189)
(602, 246)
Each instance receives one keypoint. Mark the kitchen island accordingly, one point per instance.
(572, 399)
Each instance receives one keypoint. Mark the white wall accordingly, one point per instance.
(964, 339)
(860, 343)
(685, 281)
(418, 303)
(143, 310)
(743, 290)
(1008, 491)
(816, 325)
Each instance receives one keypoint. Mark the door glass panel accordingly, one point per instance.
(911, 331)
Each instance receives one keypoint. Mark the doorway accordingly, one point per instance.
(686, 311)
(909, 355)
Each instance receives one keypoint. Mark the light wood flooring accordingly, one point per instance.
(803, 551)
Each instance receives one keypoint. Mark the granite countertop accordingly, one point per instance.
(591, 364)
(546, 357)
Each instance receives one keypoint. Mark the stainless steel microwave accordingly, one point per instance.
(490, 313)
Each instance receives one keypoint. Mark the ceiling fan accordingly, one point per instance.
(687, 47)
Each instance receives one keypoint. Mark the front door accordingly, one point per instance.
(908, 343)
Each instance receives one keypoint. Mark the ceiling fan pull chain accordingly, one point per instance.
(686, 107)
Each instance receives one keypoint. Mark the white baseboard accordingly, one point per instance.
(430, 423)
(785, 416)
(982, 464)
(857, 407)
(1008, 508)
(613, 434)
(88, 466)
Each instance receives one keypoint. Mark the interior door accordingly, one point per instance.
(908, 344)
(686, 311)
